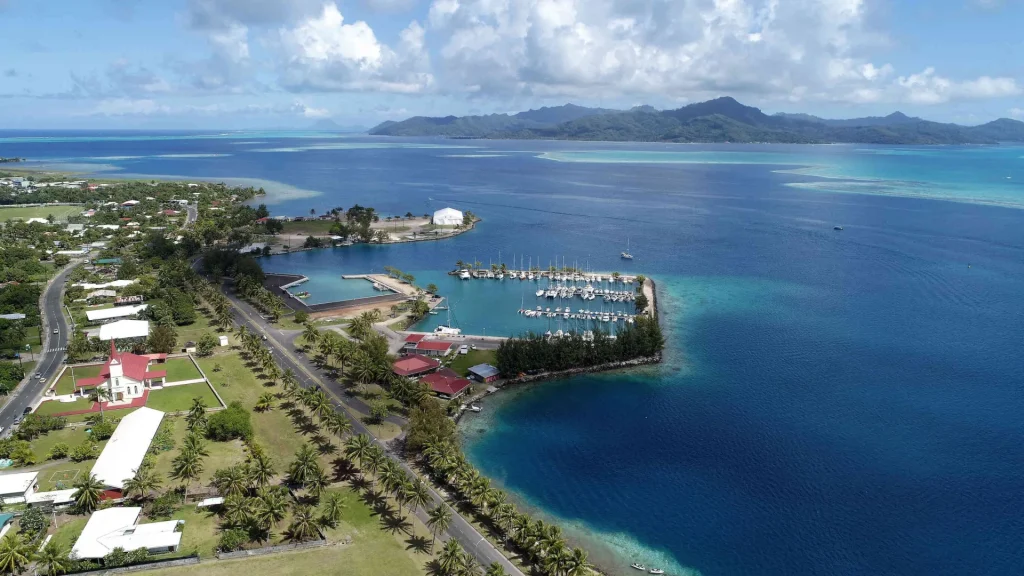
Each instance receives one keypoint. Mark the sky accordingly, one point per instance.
(198, 64)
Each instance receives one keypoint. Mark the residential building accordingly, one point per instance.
(414, 365)
(119, 528)
(433, 348)
(17, 488)
(446, 383)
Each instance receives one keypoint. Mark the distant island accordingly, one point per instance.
(719, 120)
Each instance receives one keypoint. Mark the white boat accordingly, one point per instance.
(547, 334)
(638, 566)
(540, 293)
(477, 408)
(464, 274)
(447, 331)
(490, 274)
(656, 571)
(529, 276)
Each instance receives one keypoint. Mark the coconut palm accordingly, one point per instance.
(265, 402)
(196, 418)
(337, 424)
(343, 351)
(363, 368)
(470, 566)
(321, 404)
(495, 569)
(140, 485)
(271, 508)
(231, 481)
(54, 558)
(310, 334)
(272, 372)
(439, 518)
(375, 462)
(332, 507)
(450, 559)
(100, 395)
(195, 443)
(87, 493)
(304, 465)
(303, 525)
(317, 482)
(260, 469)
(237, 510)
(358, 448)
(15, 553)
(187, 466)
(577, 564)
(419, 495)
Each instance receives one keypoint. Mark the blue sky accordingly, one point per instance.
(288, 63)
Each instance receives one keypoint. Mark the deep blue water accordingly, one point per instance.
(831, 402)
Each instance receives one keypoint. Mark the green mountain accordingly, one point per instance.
(718, 120)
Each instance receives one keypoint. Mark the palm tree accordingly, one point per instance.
(87, 493)
(450, 560)
(343, 351)
(304, 465)
(303, 526)
(495, 569)
(419, 495)
(273, 372)
(140, 485)
(187, 466)
(265, 402)
(363, 368)
(195, 443)
(260, 469)
(439, 518)
(100, 395)
(54, 558)
(337, 424)
(196, 418)
(271, 508)
(578, 564)
(321, 404)
(375, 462)
(15, 554)
(470, 566)
(332, 509)
(317, 482)
(358, 448)
(231, 481)
(237, 510)
(310, 334)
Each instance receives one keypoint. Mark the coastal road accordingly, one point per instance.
(280, 343)
(50, 359)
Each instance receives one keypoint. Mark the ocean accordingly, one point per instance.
(831, 402)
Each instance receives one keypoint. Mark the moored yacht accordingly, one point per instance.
(464, 274)
(656, 571)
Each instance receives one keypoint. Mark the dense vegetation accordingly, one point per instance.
(536, 352)
(719, 120)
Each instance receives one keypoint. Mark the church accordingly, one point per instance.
(126, 376)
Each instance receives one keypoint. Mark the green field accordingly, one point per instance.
(66, 384)
(178, 369)
(222, 455)
(311, 227)
(179, 398)
(60, 213)
(463, 362)
(52, 407)
(71, 436)
(68, 532)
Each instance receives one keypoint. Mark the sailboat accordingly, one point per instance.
(446, 329)
(626, 255)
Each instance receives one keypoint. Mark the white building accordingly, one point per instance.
(120, 528)
(124, 329)
(111, 313)
(125, 376)
(111, 284)
(447, 217)
(123, 454)
(17, 488)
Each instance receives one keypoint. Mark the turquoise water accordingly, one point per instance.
(325, 269)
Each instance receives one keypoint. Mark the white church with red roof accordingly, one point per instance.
(126, 376)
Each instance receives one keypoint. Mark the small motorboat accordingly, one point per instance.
(656, 571)
(638, 566)
(475, 408)
(837, 228)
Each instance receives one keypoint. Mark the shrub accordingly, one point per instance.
(23, 454)
(163, 441)
(59, 450)
(301, 316)
(84, 451)
(104, 429)
(164, 505)
(116, 558)
(35, 425)
(206, 344)
(234, 422)
(232, 539)
(33, 523)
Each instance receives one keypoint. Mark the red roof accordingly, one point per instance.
(436, 345)
(170, 212)
(133, 366)
(415, 337)
(446, 381)
(414, 364)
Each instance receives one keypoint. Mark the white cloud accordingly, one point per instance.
(1016, 112)
(149, 107)
(128, 107)
(768, 49)
(325, 54)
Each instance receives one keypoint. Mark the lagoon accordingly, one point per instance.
(831, 402)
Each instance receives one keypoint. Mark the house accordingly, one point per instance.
(125, 376)
(13, 316)
(17, 488)
(96, 294)
(447, 217)
(411, 341)
(111, 284)
(189, 348)
(119, 528)
(484, 373)
(37, 221)
(123, 454)
(446, 383)
(75, 228)
(127, 300)
(414, 365)
(433, 348)
(112, 313)
(123, 329)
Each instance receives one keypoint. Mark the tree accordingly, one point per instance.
(33, 523)
(162, 340)
(641, 303)
(87, 493)
(229, 424)
(332, 507)
(196, 418)
(265, 402)
(379, 410)
(304, 466)
(260, 469)
(418, 495)
(205, 345)
(61, 260)
(140, 485)
(438, 520)
(495, 569)
(271, 508)
(432, 288)
(303, 525)
(428, 423)
(450, 559)
(100, 395)
(231, 481)
(310, 334)
(358, 448)
(54, 558)
(301, 316)
(577, 563)
(337, 424)
(187, 466)
(15, 553)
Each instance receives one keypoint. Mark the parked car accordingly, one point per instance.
(26, 411)
(463, 349)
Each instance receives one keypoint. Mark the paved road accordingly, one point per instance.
(191, 214)
(51, 358)
(280, 345)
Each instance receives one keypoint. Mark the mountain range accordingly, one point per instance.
(719, 120)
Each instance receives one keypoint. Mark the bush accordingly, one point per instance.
(33, 523)
(234, 422)
(164, 505)
(23, 454)
(84, 451)
(206, 344)
(232, 539)
(163, 441)
(301, 316)
(35, 425)
(104, 429)
(59, 450)
(116, 558)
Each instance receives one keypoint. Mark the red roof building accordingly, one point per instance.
(415, 338)
(414, 365)
(447, 383)
(433, 347)
(125, 375)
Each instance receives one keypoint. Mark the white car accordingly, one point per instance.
(463, 349)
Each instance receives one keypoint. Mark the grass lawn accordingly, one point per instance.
(61, 475)
(195, 331)
(24, 213)
(200, 534)
(463, 362)
(51, 407)
(222, 455)
(313, 227)
(69, 531)
(179, 398)
(71, 436)
(66, 384)
(235, 382)
(179, 369)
